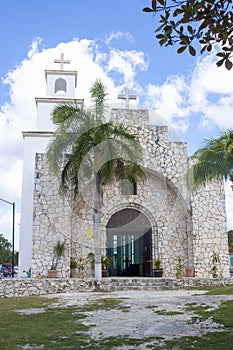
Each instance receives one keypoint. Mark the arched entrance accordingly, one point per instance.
(129, 243)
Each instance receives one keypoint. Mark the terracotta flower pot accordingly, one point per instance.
(190, 272)
(52, 273)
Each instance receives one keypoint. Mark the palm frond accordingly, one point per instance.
(213, 161)
(98, 96)
(83, 145)
(62, 112)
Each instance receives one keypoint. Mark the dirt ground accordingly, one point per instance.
(145, 314)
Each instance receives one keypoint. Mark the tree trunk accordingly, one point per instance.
(96, 225)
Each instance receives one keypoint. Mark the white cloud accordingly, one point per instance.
(34, 47)
(170, 101)
(206, 91)
(116, 36)
(211, 93)
(127, 64)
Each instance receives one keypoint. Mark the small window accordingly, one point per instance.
(60, 85)
(128, 188)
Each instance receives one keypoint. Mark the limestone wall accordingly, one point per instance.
(131, 116)
(51, 221)
(182, 225)
(28, 287)
(209, 229)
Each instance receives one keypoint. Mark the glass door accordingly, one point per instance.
(129, 254)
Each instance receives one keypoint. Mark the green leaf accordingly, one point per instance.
(225, 48)
(162, 2)
(168, 30)
(162, 41)
(220, 54)
(219, 63)
(185, 19)
(192, 51)
(147, 9)
(228, 64)
(154, 5)
(190, 29)
(160, 36)
(177, 12)
(181, 49)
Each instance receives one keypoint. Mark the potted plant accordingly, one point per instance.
(157, 269)
(215, 264)
(28, 273)
(73, 267)
(106, 262)
(58, 252)
(179, 268)
(80, 267)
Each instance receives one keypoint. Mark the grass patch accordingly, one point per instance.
(168, 313)
(164, 312)
(216, 340)
(55, 327)
(197, 309)
(109, 343)
(216, 290)
(152, 307)
(102, 304)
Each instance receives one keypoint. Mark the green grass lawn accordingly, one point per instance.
(53, 326)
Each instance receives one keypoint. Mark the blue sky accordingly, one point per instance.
(113, 40)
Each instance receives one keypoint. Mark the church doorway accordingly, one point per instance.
(129, 243)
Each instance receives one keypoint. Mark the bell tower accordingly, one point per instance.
(60, 88)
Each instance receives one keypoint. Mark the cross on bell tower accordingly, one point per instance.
(62, 61)
(127, 97)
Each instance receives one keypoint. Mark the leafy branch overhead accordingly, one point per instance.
(186, 23)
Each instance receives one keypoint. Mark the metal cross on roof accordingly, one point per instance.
(127, 97)
(62, 61)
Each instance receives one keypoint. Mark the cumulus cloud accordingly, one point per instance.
(116, 36)
(171, 101)
(126, 64)
(34, 47)
(211, 93)
(207, 92)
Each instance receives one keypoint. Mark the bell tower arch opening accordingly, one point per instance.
(60, 85)
(129, 243)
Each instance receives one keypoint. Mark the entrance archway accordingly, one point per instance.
(129, 243)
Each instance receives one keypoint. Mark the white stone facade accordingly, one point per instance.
(189, 225)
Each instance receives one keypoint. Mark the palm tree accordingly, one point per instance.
(213, 161)
(85, 145)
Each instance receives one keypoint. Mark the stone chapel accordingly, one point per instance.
(157, 218)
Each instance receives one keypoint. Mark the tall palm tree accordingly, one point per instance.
(85, 145)
(213, 161)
